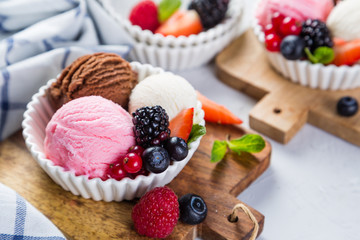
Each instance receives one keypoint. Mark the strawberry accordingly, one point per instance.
(181, 125)
(145, 15)
(217, 113)
(181, 23)
(347, 53)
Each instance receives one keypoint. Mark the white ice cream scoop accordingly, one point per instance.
(344, 20)
(171, 92)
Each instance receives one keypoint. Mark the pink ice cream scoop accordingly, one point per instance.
(87, 134)
(300, 10)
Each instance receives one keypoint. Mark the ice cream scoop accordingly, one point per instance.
(170, 91)
(87, 134)
(344, 20)
(300, 10)
(103, 74)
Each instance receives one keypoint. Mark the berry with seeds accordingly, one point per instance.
(193, 209)
(145, 15)
(292, 47)
(272, 42)
(149, 123)
(156, 159)
(290, 26)
(347, 106)
(132, 163)
(157, 213)
(136, 149)
(316, 34)
(177, 148)
(211, 12)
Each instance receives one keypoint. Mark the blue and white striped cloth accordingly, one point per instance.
(38, 38)
(20, 220)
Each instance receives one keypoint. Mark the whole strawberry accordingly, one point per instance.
(157, 213)
(145, 15)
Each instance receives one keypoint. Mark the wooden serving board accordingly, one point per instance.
(283, 107)
(80, 218)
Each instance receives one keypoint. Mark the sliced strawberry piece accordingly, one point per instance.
(347, 53)
(181, 125)
(217, 113)
(145, 15)
(181, 23)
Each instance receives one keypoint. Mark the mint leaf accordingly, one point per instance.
(309, 55)
(324, 55)
(167, 8)
(218, 151)
(196, 132)
(251, 143)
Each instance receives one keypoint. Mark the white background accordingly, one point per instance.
(312, 188)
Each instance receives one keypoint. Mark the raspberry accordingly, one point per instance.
(157, 213)
(211, 12)
(145, 15)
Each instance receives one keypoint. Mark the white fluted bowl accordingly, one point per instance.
(39, 113)
(318, 76)
(176, 53)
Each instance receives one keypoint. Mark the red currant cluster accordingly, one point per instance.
(128, 166)
(280, 27)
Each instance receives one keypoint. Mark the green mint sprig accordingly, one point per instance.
(167, 8)
(324, 55)
(251, 143)
(196, 131)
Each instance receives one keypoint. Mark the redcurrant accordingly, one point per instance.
(116, 171)
(272, 42)
(136, 149)
(290, 26)
(132, 163)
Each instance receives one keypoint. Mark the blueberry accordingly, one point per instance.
(193, 209)
(292, 47)
(156, 159)
(347, 106)
(177, 148)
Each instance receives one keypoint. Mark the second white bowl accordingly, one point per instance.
(176, 53)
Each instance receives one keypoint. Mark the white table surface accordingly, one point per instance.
(312, 188)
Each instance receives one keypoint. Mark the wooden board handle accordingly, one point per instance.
(277, 117)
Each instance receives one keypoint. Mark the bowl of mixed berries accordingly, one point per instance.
(175, 34)
(304, 43)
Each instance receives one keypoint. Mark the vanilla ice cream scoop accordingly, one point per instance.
(344, 20)
(170, 91)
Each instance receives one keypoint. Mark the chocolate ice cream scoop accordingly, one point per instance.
(102, 74)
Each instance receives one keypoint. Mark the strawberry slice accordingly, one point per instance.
(217, 113)
(181, 23)
(347, 53)
(181, 125)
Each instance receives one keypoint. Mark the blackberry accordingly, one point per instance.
(211, 12)
(316, 34)
(151, 126)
